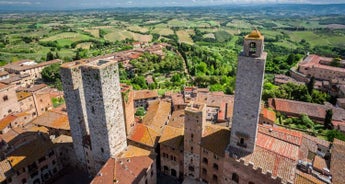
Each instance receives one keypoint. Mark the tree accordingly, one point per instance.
(51, 73)
(328, 119)
(331, 134)
(50, 56)
(57, 56)
(140, 111)
(310, 85)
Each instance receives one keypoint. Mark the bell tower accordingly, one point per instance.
(249, 82)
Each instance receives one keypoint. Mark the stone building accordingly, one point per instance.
(28, 67)
(320, 68)
(128, 106)
(249, 81)
(8, 100)
(94, 104)
(195, 121)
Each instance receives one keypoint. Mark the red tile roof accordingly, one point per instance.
(313, 61)
(123, 170)
(338, 161)
(6, 121)
(268, 114)
(145, 94)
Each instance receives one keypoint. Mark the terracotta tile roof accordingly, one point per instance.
(313, 61)
(268, 160)
(310, 143)
(33, 88)
(133, 151)
(145, 94)
(283, 79)
(215, 134)
(338, 161)
(218, 100)
(21, 95)
(3, 73)
(52, 119)
(144, 135)
(29, 64)
(6, 121)
(3, 86)
(177, 119)
(157, 115)
(14, 132)
(319, 163)
(283, 134)
(280, 147)
(297, 107)
(268, 114)
(123, 170)
(14, 78)
(172, 137)
(304, 178)
(30, 152)
(177, 99)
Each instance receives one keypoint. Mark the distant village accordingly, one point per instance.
(188, 135)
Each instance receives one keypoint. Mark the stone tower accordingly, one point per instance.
(74, 97)
(195, 120)
(101, 113)
(249, 81)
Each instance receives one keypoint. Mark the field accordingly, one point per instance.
(66, 38)
(28, 36)
(184, 36)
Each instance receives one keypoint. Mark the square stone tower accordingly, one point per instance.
(94, 104)
(75, 103)
(249, 81)
(195, 120)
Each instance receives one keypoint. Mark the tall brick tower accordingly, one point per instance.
(249, 81)
(195, 120)
(105, 134)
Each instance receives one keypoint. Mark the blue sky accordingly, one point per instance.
(65, 4)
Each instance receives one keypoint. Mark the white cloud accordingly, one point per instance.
(15, 2)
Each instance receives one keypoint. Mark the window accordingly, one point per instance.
(204, 160)
(235, 177)
(215, 166)
(204, 171)
(252, 48)
(24, 181)
(5, 98)
(215, 178)
(102, 150)
(191, 168)
(251, 182)
(242, 143)
(191, 149)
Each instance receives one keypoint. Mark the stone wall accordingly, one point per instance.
(249, 81)
(8, 101)
(104, 110)
(75, 103)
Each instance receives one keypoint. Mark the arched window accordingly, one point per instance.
(215, 166)
(235, 177)
(215, 178)
(252, 48)
(173, 172)
(204, 171)
(205, 160)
